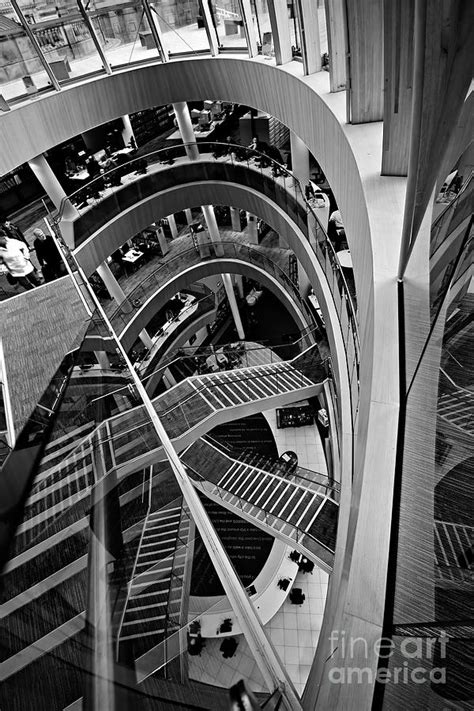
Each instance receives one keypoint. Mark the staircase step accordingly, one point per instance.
(128, 623)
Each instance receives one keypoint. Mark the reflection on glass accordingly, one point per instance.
(262, 25)
(182, 26)
(64, 40)
(228, 22)
(21, 71)
(124, 33)
(323, 35)
(294, 29)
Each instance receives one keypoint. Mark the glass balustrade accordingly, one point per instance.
(138, 178)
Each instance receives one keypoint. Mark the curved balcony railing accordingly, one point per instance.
(167, 334)
(150, 174)
(122, 315)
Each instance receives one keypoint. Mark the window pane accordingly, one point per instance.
(64, 39)
(229, 24)
(21, 71)
(124, 33)
(182, 26)
(261, 20)
(294, 29)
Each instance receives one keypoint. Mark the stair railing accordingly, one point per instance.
(269, 517)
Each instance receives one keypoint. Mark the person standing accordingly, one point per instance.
(16, 258)
(47, 255)
(12, 231)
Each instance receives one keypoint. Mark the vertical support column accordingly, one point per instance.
(252, 232)
(213, 230)
(52, 187)
(187, 133)
(100, 691)
(249, 29)
(103, 690)
(299, 158)
(173, 227)
(278, 11)
(398, 48)
(365, 33)
(229, 290)
(337, 43)
(309, 30)
(189, 216)
(211, 31)
(118, 295)
(127, 131)
(235, 219)
(185, 126)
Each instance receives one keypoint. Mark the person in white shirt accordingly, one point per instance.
(337, 219)
(16, 258)
(336, 231)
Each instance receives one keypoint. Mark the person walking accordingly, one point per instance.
(47, 255)
(16, 258)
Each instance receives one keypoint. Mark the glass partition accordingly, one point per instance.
(21, 70)
(136, 179)
(182, 27)
(64, 39)
(295, 36)
(228, 23)
(124, 33)
(429, 615)
(261, 19)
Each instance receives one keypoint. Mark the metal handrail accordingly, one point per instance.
(199, 312)
(220, 489)
(238, 250)
(197, 390)
(456, 386)
(166, 152)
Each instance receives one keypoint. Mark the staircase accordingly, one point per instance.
(457, 408)
(293, 509)
(187, 409)
(238, 387)
(455, 545)
(156, 589)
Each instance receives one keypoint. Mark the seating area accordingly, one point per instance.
(228, 647)
(297, 597)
